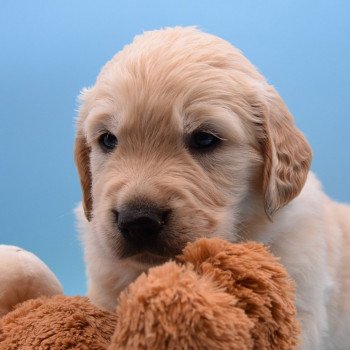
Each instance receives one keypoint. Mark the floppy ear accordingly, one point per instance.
(287, 155)
(82, 162)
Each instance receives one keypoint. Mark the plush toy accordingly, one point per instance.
(23, 276)
(217, 295)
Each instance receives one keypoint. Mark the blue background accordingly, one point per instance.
(50, 50)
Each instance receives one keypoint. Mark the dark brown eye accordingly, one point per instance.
(203, 141)
(108, 142)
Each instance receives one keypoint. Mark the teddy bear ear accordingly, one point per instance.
(287, 154)
(82, 162)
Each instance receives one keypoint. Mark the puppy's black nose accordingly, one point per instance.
(140, 224)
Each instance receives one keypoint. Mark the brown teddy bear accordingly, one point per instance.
(217, 295)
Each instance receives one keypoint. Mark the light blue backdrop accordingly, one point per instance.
(50, 50)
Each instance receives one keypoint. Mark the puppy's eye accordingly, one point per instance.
(203, 141)
(108, 141)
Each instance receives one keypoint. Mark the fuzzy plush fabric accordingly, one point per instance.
(56, 323)
(180, 310)
(225, 296)
(259, 283)
(217, 296)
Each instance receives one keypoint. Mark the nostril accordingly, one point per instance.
(164, 216)
(116, 215)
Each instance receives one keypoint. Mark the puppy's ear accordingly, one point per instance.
(287, 154)
(82, 162)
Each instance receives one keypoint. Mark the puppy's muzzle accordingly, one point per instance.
(141, 225)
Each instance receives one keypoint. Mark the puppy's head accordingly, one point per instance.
(178, 134)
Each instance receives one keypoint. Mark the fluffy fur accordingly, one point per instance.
(226, 296)
(219, 296)
(255, 186)
(57, 323)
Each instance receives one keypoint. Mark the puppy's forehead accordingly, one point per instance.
(175, 49)
(169, 75)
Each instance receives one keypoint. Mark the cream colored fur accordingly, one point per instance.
(23, 276)
(255, 186)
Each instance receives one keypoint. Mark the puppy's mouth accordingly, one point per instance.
(148, 258)
(151, 254)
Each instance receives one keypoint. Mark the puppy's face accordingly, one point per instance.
(178, 136)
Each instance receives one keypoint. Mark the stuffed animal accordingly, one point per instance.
(23, 276)
(217, 295)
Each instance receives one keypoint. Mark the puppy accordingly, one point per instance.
(181, 137)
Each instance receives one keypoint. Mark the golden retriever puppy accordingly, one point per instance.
(181, 137)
